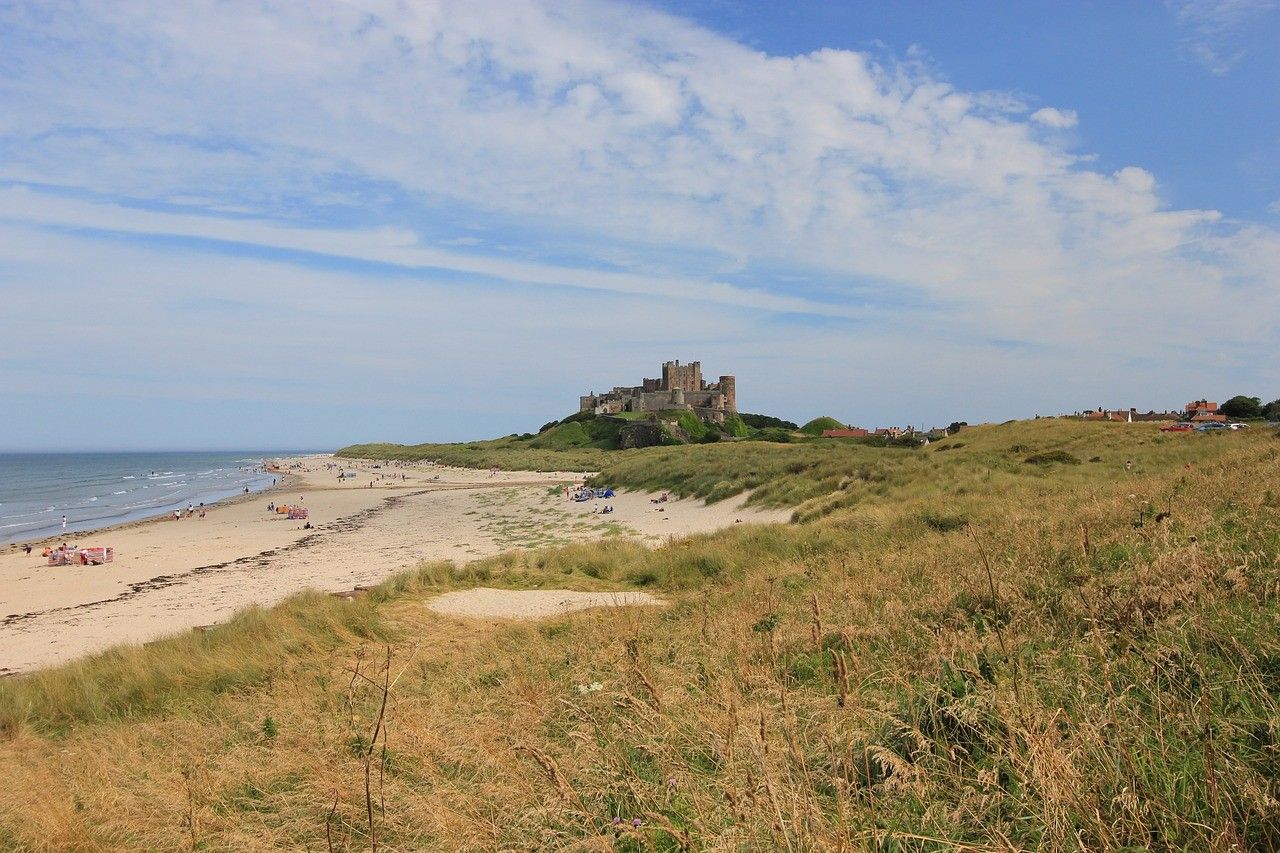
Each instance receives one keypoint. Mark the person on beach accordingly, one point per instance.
(27, 549)
(64, 522)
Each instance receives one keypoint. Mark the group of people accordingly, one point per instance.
(191, 511)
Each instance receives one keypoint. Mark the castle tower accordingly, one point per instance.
(729, 388)
(686, 377)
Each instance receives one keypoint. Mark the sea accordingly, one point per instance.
(100, 489)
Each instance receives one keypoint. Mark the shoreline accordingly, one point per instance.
(168, 578)
(17, 545)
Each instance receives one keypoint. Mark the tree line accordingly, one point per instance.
(1247, 408)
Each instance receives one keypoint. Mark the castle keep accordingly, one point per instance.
(681, 387)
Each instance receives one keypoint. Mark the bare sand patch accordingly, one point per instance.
(488, 603)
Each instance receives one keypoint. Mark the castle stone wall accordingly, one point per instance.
(681, 387)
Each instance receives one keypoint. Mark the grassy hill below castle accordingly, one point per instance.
(589, 442)
(1039, 635)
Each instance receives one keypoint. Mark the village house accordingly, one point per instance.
(1197, 411)
(850, 431)
(1203, 411)
(1130, 415)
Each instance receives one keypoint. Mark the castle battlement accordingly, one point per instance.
(681, 387)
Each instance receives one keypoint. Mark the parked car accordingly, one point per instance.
(1179, 427)
(1211, 427)
(1238, 426)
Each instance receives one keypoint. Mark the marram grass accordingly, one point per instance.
(958, 650)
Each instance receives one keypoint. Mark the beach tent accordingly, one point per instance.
(97, 556)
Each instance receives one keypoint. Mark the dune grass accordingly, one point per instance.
(507, 454)
(974, 652)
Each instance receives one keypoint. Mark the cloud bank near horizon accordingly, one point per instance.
(589, 172)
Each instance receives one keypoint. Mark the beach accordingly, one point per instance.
(171, 575)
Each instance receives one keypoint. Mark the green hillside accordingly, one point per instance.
(568, 444)
(817, 425)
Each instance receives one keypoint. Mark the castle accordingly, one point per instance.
(681, 387)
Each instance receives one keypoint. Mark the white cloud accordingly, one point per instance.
(394, 246)
(624, 153)
(1213, 29)
(1055, 118)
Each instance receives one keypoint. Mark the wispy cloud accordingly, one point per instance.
(391, 246)
(1213, 29)
(610, 172)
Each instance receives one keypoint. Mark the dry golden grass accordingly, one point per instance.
(987, 655)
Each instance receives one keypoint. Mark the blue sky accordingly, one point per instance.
(223, 225)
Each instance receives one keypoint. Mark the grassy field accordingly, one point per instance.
(1043, 635)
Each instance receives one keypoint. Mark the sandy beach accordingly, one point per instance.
(170, 576)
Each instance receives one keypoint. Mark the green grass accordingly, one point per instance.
(817, 425)
(957, 650)
(508, 454)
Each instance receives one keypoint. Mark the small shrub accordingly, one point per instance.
(551, 630)
(807, 667)
(765, 624)
(643, 577)
(943, 523)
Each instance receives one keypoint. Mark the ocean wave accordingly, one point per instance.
(31, 512)
(147, 504)
(130, 477)
(119, 493)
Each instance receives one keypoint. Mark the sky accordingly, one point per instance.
(244, 224)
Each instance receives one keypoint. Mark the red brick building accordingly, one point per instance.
(1203, 411)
